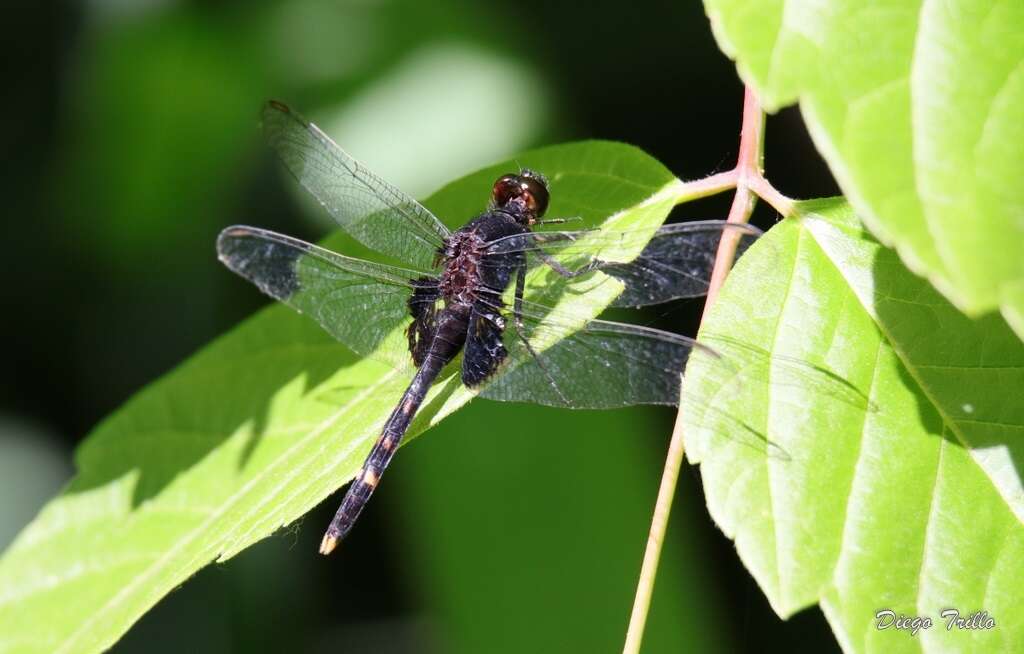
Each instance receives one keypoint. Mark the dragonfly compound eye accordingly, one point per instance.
(536, 195)
(506, 188)
(528, 188)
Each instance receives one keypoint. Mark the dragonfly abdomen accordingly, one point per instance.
(444, 346)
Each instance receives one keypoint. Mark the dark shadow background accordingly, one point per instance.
(130, 138)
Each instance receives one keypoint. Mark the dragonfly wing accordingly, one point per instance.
(608, 365)
(597, 365)
(364, 305)
(375, 213)
(652, 265)
(602, 364)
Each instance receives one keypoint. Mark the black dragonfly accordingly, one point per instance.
(465, 292)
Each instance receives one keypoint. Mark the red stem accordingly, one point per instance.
(748, 180)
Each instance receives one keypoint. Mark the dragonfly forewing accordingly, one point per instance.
(372, 211)
(652, 265)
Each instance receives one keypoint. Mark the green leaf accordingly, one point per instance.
(911, 501)
(248, 435)
(918, 107)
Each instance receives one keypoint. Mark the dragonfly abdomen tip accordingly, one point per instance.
(328, 544)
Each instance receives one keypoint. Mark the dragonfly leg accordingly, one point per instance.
(558, 221)
(517, 315)
(552, 263)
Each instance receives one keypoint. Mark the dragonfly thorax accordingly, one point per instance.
(460, 279)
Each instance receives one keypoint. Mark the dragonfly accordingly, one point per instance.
(464, 293)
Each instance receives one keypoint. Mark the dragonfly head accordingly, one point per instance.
(523, 195)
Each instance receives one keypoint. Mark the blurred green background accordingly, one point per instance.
(131, 138)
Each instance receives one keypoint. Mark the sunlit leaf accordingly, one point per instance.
(918, 107)
(912, 502)
(247, 436)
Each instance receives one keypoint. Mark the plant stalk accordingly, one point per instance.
(747, 178)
